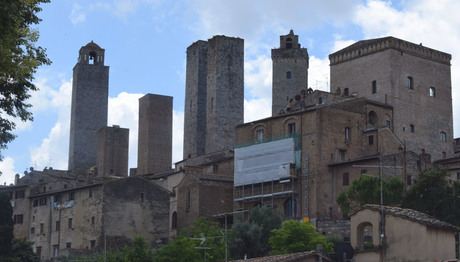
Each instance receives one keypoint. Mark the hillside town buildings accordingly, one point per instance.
(388, 113)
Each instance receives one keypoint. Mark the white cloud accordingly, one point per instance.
(256, 109)
(318, 73)
(7, 169)
(54, 149)
(178, 136)
(124, 111)
(77, 15)
(258, 77)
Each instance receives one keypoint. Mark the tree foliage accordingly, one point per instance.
(366, 190)
(251, 238)
(296, 237)
(185, 247)
(12, 250)
(19, 60)
(435, 195)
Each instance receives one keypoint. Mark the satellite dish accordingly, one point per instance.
(344, 248)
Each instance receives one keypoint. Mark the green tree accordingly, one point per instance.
(185, 248)
(251, 237)
(295, 237)
(12, 250)
(435, 195)
(366, 190)
(6, 225)
(139, 251)
(19, 60)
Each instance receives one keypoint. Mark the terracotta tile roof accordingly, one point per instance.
(413, 215)
(284, 258)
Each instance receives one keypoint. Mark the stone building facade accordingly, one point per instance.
(90, 100)
(214, 95)
(415, 80)
(155, 134)
(63, 214)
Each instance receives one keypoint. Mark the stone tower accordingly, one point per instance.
(89, 106)
(112, 151)
(415, 80)
(290, 71)
(214, 102)
(155, 134)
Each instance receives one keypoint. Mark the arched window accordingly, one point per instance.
(443, 136)
(373, 119)
(290, 208)
(365, 232)
(288, 75)
(174, 221)
(92, 58)
(374, 87)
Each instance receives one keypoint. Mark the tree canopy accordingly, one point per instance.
(19, 60)
(186, 248)
(296, 237)
(436, 195)
(251, 237)
(366, 190)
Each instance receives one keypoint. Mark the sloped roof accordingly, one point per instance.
(412, 215)
(285, 258)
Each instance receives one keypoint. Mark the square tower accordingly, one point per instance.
(214, 95)
(155, 134)
(415, 80)
(290, 71)
(112, 151)
(89, 106)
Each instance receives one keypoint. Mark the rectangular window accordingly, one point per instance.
(57, 198)
(90, 193)
(43, 201)
(68, 245)
(342, 155)
(18, 219)
(70, 223)
(19, 194)
(347, 133)
(35, 202)
(58, 225)
(371, 139)
(374, 87)
(458, 176)
(388, 123)
(32, 230)
(71, 196)
(93, 244)
(38, 251)
(44, 189)
(432, 91)
(411, 128)
(291, 128)
(260, 135)
(345, 179)
(409, 180)
(56, 250)
(215, 169)
(42, 228)
(443, 136)
(410, 82)
(93, 219)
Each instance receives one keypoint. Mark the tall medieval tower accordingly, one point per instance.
(154, 151)
(214, 96)
(89, 106)
(290, 71)
(415, 80)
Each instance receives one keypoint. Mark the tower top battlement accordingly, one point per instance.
(91, 53)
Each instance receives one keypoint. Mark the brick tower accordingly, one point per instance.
(290, 71)
(89, 106)
(214, 102)
(155, 134)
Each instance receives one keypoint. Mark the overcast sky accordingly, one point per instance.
(145, 44)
